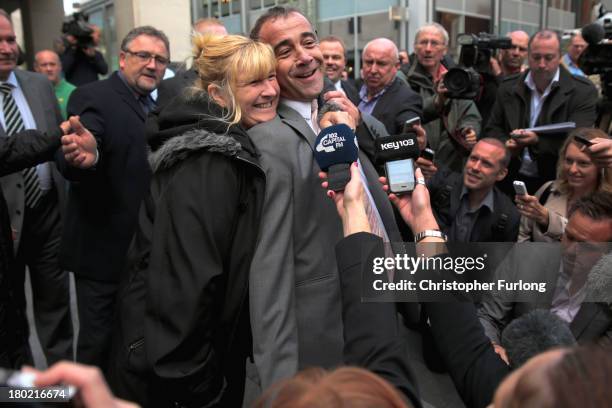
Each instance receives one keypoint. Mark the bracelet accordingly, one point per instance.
(429, 233)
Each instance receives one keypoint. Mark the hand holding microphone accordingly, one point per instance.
(335, 150)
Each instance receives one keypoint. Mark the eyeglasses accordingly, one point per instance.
(145, 57)
(434, 43)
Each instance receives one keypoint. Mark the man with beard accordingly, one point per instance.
(468, 207)
(295, 302)
(544, 94)
(511, 60)
(103, 202)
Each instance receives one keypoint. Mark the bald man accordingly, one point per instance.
(512, 59)
(383, 95)
(171, 87)
(48, 63)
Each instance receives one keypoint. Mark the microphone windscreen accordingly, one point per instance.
(328, 107)
(593, 33)
(396, 147)
(335, 145)
(533, 333)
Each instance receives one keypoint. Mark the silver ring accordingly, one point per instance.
(420, 180)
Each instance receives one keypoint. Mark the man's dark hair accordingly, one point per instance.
(496, 142)
(545, 35)
(333, 38)
(145, 30)
(534, 333)
(597, 206)
(272, 14)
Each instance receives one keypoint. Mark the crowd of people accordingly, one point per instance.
(203, 238)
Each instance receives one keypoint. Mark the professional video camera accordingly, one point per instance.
(597, 57)
(78, 27)
(464, 81)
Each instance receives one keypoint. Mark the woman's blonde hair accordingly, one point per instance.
(226, 61)
(343, 387)
(604, 176)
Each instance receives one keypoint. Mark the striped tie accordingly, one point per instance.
(14, 124)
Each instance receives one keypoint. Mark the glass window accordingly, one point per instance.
(255, 4)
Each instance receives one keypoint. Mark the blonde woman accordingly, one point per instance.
(544, 214)
(184, 332)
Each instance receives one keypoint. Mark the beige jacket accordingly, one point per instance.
(556, 203)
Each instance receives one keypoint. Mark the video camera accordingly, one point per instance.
(597, 57)
(463, 81)
(78, 27)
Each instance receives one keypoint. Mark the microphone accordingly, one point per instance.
(534, 333)
(397, 153)
(598, 287)
(335, 150)
(593, 33)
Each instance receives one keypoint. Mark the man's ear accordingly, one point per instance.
(215, 93)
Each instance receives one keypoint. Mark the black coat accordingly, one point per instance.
(103, 202)
(184, 325)
(572, 99)
(80, 69)
(500, 226)
(21, 151)
(350, 91)
(398, 104)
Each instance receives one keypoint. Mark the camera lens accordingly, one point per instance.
(457, 80)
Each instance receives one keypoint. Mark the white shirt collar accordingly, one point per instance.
(338, 85)
(12, 79)
(531, 84)
(303, 108)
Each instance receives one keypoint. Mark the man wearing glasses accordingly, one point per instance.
(544, 94)
(103, 202)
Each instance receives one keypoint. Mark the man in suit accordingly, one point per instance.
(294, 292)
(571, 293)
(544, 94)
(35, 200)
(171, 87)
(334, 56)
(383, 95)
(468, 206)
(103, 202)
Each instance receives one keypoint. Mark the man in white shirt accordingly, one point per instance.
(334, 57)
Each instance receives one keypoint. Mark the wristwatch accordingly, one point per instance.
(430, 233)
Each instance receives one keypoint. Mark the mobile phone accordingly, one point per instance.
(428, 154)
(583, 140)
(410, 123)
(400, 175)
(519, 187)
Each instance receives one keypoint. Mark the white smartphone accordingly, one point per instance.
(400, 175)
(519, 187)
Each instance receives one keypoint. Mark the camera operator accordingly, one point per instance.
(81, 61)
(452, 125)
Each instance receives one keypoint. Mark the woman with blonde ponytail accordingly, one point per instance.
(184, 333)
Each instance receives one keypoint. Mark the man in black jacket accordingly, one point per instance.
(383, 95)
(468, 207)
(83, 63)
(334, 57)
(544, 94)
(23, 150)
(103, 202)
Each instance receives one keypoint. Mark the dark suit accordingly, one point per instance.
(398, 104)
(350, 91)
(103, 205)
(38, 231)
(571, 99)
(501, 225)
(540, 263)
(26, 149)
